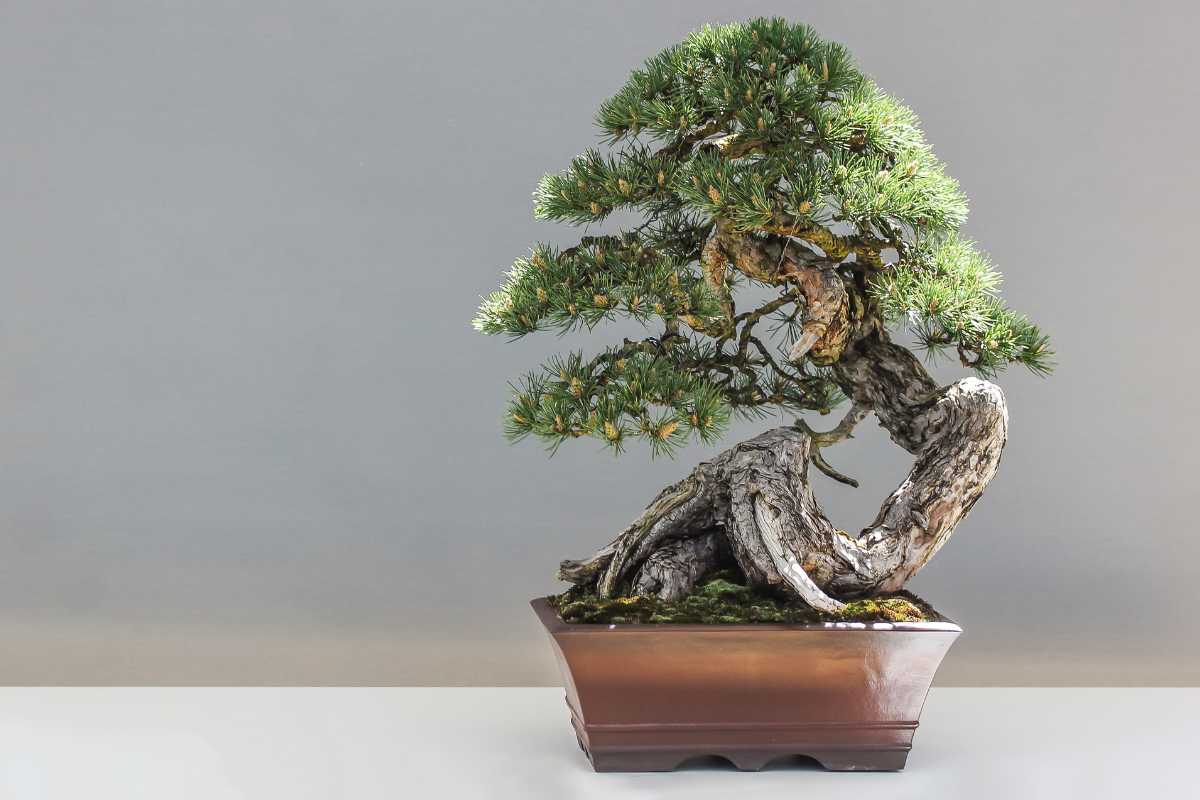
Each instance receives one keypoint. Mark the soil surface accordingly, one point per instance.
(719, 599)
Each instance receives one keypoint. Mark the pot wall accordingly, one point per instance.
(651, 696)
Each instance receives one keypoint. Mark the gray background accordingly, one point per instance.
(248, 436)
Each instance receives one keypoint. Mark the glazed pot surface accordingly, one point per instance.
(648, 696)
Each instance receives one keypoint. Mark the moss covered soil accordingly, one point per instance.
(720, 600)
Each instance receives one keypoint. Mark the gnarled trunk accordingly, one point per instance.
(754, 501)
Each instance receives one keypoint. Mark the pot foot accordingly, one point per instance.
(746, 761)
(862, 760)
(638, 760)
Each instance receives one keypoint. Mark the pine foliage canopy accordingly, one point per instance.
(767, 130)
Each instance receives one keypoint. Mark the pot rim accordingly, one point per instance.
(555, 625)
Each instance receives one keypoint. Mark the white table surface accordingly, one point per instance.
(430, 744)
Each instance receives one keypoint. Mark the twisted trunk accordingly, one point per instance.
(754, 501)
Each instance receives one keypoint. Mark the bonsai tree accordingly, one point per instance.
(759, 155)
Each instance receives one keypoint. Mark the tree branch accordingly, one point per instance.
(820, 439)
(749, 319)
(820, 463)
(867, 249)
(843, 430)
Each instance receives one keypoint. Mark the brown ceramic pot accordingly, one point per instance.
(649, 697)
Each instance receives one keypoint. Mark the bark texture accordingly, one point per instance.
(754, 503)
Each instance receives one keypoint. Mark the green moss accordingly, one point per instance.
(721, 600)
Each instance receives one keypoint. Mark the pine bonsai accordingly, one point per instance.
(759, 154)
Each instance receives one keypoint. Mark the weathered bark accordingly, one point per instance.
(757, 497)
(826, 325)
(671, 571)
(885, 377)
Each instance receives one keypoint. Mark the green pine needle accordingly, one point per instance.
(768, 130)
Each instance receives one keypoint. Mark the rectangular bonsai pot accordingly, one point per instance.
(649, 697)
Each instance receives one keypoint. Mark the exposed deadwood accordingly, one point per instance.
(770, 524)
(826, 324)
